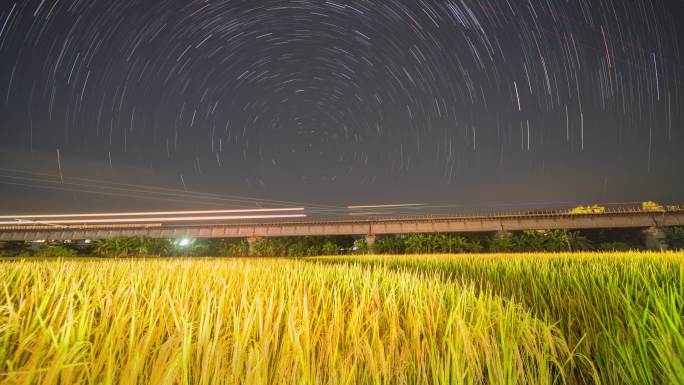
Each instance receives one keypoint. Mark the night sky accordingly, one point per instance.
(339, 102)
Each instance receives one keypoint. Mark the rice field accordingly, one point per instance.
(471, 319)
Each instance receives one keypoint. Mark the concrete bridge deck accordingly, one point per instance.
(620, 218)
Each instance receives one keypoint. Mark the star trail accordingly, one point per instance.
(346, 102)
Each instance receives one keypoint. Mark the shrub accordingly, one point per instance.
(542, 240)
(389, 245)
(501, 244)
(361, 246)
(14, 248)
(136, 246)
(295, 246)
(613, 246)
(55, 251)
(675, 237)
(578, 242)
(230, 248)
(330, 248)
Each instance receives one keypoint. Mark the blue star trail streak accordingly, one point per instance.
(395, 95)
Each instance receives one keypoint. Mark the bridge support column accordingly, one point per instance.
(370, 242)
(655, 239)
(251, 241)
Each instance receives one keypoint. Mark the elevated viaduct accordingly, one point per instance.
(651, 222)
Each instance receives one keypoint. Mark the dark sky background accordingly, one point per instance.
(338, 102)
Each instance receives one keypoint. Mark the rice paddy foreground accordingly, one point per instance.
(381, 320)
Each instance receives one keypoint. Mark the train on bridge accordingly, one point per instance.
(647, 206)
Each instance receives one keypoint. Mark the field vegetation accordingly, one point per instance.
(458, 319)
(622, 312)
(263, 322)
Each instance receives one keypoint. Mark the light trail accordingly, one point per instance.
(157, 219)
(143, 213)
(559, 203)
(370, 213)
(102, 184)
(386, 206)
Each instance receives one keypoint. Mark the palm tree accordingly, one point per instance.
(577, 241)
(330, 248)
(458, 244)
(502, 244)
(554, 240)
(159, 247)
(233, 248)
(140, 246)
(107, 247)
(474, 246)
(101, 247)
(123, 247)
(414, 244)
(528, 241)
(114, 247)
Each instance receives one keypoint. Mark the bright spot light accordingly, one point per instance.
(87, 241)
(184, 242)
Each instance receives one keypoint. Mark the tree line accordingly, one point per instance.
(552, 240)
(525, 241)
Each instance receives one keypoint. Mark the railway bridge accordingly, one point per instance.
(651, 222)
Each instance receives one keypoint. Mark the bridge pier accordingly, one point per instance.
(370, 242)
(655, 239)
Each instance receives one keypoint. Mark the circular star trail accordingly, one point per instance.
(390, 93)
